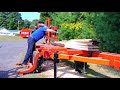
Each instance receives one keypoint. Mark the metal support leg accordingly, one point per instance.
(84, 68)
(55, 64)
(85, 64)
(55, 70)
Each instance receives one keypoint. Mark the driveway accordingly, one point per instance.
(10, 52)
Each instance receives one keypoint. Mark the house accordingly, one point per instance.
(5, 32)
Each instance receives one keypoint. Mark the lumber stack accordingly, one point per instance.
(80, 44)
(59, 43)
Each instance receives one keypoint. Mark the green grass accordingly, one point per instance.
(11, 38)
(34, 75)
(97, 71)
(110, 70)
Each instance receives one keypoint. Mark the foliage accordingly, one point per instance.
(33, 23)
(103, 26)
(9, 20)
(108, 31)
(13, 21)
(27, 23)
(77, 30)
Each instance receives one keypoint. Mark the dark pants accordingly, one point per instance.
(30, 49)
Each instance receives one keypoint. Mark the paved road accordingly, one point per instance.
(10, 52)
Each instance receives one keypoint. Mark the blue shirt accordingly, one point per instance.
(39, 33)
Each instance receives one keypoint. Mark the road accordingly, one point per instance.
(10, 52)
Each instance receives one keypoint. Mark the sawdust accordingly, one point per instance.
(63, 71)
(66, 71)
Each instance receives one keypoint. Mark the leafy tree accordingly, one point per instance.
(33, 23)
(103, 26)
(27, 23)
(8, 20)
(108, 30)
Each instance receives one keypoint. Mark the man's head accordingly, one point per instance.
(41, 24)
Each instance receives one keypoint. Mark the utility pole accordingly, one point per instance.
(18, 24)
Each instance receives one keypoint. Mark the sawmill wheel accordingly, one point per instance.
(39, 62)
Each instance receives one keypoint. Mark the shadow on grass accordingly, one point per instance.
(90, 73)
(93, 74)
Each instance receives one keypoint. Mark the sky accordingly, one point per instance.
(30, 15)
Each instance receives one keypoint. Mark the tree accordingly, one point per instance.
(103, 26)
(27, 23)
(33, 23)
(107, 26)
(9, 20)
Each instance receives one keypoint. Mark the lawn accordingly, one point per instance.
(98, 71)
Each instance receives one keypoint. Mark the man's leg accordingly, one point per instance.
(31, 43)
(31, 58)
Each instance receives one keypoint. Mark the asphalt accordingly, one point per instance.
(10, 52)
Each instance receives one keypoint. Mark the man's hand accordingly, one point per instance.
(50, 38)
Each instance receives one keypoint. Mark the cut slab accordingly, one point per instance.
(79, 44)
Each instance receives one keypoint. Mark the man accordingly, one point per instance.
(37, 26)
(33, 38)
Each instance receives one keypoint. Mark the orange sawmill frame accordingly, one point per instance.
(102, 58)
(56, 53)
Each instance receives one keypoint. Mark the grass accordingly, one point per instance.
(33, 75)
(110, 71)
(11, 38)
(97, 71)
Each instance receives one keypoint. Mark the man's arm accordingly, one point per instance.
(50, 30)
(50, 38)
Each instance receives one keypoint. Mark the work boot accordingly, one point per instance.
(25, 66)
